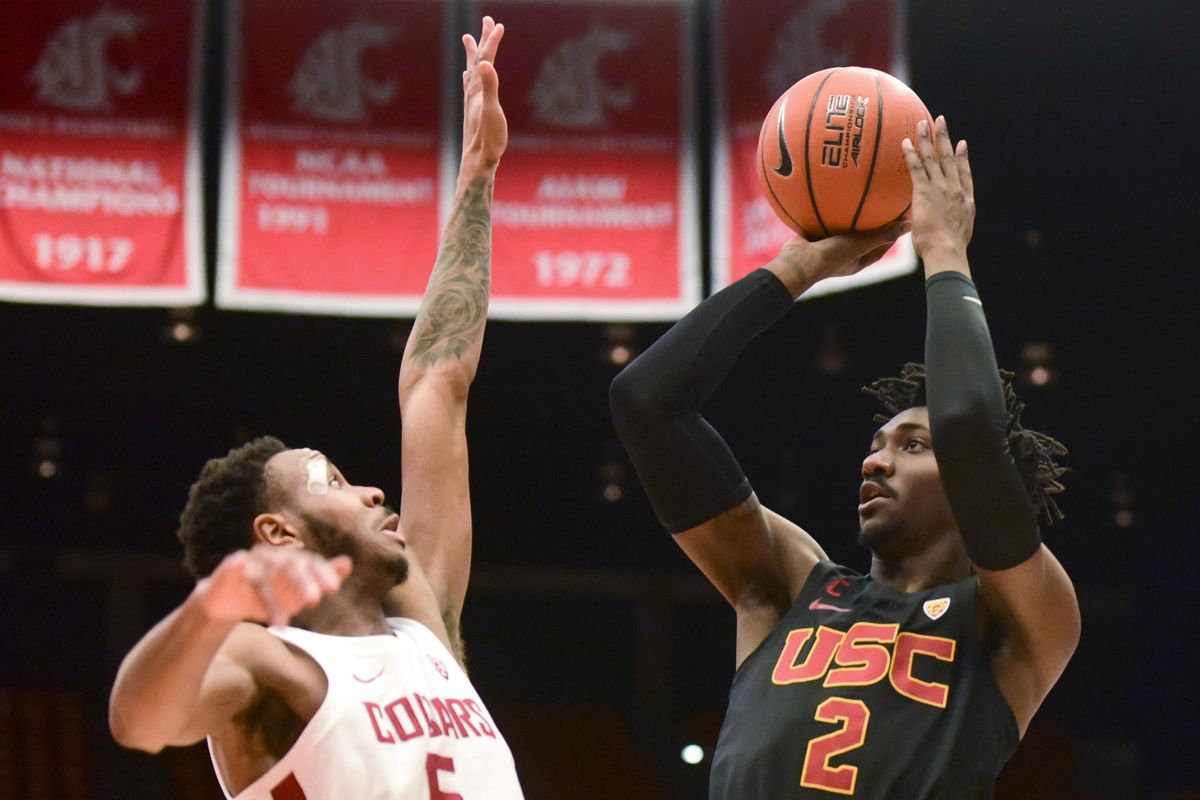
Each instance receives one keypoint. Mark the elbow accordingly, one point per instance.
(645, 397)
(629, 400)
(126, 733)
(127, 727)
(450, 378)
(622, 393)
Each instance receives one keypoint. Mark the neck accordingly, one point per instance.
(942, 560)
(351, 611)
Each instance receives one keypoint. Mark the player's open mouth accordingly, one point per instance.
(870, 490)
(872, 494)
(391, 529)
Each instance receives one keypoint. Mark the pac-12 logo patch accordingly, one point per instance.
(439, 666)
(935, 608)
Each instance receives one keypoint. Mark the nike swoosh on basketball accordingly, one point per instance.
(817, 605)
(367, 680)
(785, 158)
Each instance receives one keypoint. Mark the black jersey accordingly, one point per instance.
(865, 691)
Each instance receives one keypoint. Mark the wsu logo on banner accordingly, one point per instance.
(330, 83)
(73, 73)
(802, 48)
(569, 91)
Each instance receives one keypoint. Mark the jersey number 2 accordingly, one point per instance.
(433, 765)
(817, 774)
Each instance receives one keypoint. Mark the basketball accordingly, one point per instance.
(829, 151)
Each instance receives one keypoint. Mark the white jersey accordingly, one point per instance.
(400, 721)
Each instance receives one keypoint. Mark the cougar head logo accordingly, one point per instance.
(801, 49)
(330, 84)
(72, 71)
(569, 91)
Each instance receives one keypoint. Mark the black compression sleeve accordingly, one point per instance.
(968, 422)
(689, 472)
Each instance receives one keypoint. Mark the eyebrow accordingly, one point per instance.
(903, 426)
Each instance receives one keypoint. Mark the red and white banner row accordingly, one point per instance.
(334, 171)
(340, 140)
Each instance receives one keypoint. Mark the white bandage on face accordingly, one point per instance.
(318, 475)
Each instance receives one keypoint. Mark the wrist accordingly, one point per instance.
(474, 166)
(199, 607)
(945, 259)
(796, 276)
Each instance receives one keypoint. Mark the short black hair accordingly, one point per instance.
(223, 502)
(1032, 451)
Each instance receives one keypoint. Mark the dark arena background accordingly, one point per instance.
(601, 650)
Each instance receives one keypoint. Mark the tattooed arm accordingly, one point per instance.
(442, 355)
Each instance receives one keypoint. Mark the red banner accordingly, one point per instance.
(335, 159)
(761, 49)
(99, 164)
(594, 214)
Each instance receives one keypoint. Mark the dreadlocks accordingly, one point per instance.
(1032, 451)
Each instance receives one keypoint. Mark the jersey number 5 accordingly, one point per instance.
(433, 765)
(817, 774)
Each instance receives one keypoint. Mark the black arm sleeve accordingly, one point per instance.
(689, 472)
(968, 421)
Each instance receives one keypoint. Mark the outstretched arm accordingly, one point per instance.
(443, 349)
(756, 559)
(201, 666)
(1025, 590)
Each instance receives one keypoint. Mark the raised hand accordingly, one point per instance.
(943, 207)
(802, 263)
(485, 129)
(269, 584)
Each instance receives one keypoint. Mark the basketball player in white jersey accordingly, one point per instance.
(354, 688)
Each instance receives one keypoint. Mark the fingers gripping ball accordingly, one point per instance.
(829, 151)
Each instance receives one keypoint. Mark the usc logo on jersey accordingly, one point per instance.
(864, 655)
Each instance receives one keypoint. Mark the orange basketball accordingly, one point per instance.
(829, 151)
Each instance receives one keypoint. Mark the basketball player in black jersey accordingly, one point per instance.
(914, 682)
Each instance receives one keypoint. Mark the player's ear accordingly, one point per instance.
(272, 529)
